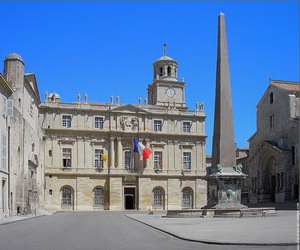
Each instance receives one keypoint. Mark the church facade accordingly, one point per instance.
(89, 158)
(273, 162)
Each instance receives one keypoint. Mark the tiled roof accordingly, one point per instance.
(287, 84)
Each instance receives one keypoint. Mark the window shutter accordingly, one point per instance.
(4, 105)
(10, 107)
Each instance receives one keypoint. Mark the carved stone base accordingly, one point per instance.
(227, 189)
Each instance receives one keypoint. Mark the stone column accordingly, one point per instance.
(119, 152)
(112, 152)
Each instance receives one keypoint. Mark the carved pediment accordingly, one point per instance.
(129, 108)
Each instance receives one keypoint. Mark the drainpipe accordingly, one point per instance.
(8, 169)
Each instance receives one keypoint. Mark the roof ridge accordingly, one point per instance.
(284, 82)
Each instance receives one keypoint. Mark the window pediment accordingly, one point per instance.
(66, 141)
(186, 145)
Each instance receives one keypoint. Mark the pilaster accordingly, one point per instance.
(112, 152)
(119, 153)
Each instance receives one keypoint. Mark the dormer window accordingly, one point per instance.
(169, 71)
(271, 98)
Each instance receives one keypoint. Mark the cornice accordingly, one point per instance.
(116, 133)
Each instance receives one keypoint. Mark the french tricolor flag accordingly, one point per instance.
(140, 148)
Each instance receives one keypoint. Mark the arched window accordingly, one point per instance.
(169, 70)
(271, 98)
(158, 198)
(66, 197)
(161, 71)
(98, 197)
(187, 198)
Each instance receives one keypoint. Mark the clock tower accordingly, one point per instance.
(165, 89)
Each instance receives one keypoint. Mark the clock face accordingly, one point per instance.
(170, 92)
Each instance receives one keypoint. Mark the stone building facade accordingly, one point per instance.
(5, 112)
(273, 163)
(24, 140)
(89, 158)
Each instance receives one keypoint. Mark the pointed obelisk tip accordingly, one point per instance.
(221, 14)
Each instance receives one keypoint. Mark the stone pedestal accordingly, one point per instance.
(225, 189)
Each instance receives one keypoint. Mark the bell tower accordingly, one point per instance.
(165, 89)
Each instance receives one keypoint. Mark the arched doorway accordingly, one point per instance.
(67, 199)
(158, 198)
(271, 185)
(187, 198)
(267, 179)
(98, 197)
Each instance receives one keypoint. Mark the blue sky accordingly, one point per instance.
(106, 48)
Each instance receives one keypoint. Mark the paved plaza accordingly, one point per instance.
(273, 230)
(131, 230)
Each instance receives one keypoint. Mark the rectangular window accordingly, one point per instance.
(157, 125)
(50, 153)
(66, 121)
(4, 148)
(99, 122)
(186, 127)
(158, 160)
(50, 191)
(67, 157)
(187, 160)
(98, 158)
(127, 159)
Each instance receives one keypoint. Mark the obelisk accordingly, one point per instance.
(224, 184)
(223, 151)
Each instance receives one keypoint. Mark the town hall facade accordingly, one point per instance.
(89, 158)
